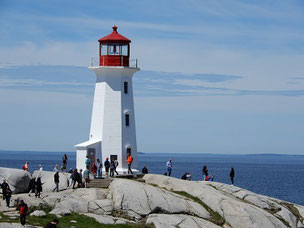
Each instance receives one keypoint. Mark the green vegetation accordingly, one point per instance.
(293, 210)
(215, 217)
(65, 221)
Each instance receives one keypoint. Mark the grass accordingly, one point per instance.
(65, 221)
(215, 217)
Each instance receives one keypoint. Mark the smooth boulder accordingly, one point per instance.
(17, 179)
(47, 180)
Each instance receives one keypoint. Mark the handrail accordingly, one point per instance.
(95, 61)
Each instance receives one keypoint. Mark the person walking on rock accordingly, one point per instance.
(112, 167)
(72, 179)
(232, 175)
(56, 181)
(31, 187)
(80, 177)
(205, 172)
(38, 187)
(115, 166)
(8, 195)
(130, 160)
(99, 168)
(169, 167)
(22, 207)
(4, 186)
(107, 166)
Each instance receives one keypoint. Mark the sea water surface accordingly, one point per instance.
(279, 176)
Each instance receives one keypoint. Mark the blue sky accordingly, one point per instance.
(216, 76)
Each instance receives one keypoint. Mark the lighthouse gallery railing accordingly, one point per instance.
(95, 62)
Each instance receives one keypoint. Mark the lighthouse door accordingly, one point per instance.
(92, 155)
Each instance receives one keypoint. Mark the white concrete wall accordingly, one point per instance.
(108, 120)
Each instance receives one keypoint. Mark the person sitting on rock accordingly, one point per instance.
(26, 166)
(56, 168)
(23, 208)
(188, 176)
(184, 177)
(205, 172)
(210, 177)
(144, 170)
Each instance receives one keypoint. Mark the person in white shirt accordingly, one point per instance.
(169, 167)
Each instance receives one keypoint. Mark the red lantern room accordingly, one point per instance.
(114, 50)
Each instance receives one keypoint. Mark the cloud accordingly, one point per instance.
(71, 79)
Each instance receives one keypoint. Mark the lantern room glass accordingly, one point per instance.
(114, 49)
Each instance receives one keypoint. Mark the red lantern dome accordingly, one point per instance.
(114, 49)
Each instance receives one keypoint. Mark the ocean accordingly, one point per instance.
(279, 176)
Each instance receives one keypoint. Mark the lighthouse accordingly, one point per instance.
(112, 133)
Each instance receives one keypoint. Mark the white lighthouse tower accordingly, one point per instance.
(112, 133)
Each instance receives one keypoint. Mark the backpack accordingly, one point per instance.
(23, 209)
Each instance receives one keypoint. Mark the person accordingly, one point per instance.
(4, 186)
(72, 179)
(80, 184)
(232, 175)
(210, 177)
(22, 207)
(115, 166)
(107, 166)
(56, 181)
(64, 163)
(207, 178)
(71, 170)
(38, 187)
(56, 168)
(184, 177)
(188, 176)
(205, 172)
(76, 178)
(112, 167)
(130, 160)
(144, 170)
(94, 169)
(169, 167)
(26, 166)
(86, 174)
(99, 168)
(40, 168)
(8, 195)
(88, 162)
(40, 171)
(52, 224)
(31, 187)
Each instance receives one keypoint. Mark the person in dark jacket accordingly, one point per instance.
(4, 186)
(205, 172)
(107, 166)
(38, 187)
(8, 195)
(52, 224)
(31, 187)
(184, 177)
(232, 175)
(76, 179)
(56, 181)
(144, 170)
(22, 207)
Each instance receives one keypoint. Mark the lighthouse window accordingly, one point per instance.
(104, 50)
(124, 50)
(127, 120)
(126, 87)
(113, 49)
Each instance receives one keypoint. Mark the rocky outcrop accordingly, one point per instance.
(169, 202)
(47, 180)
(17, 179)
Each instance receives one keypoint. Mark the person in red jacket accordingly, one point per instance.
(22, 207)
(130, 160)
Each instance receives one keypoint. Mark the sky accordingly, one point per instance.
(216, 76)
